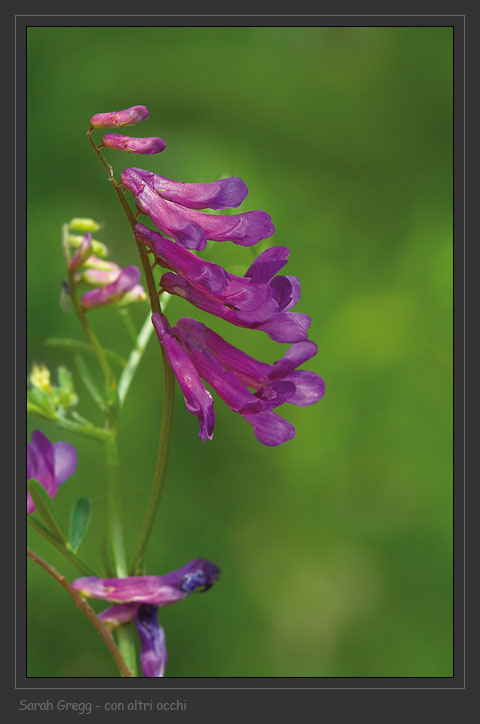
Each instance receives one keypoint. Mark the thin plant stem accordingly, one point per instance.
(67, 552)
(114, 518)
(104, 632)
(89, 333)
(168, 397)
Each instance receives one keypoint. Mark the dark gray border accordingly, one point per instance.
(196, 690)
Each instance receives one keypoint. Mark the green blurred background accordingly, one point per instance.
(335, 548)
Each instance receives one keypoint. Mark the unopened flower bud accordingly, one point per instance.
(116, 119)
(84, 225)
(97, 247)
(101, 277)
(94, 262)
(134, 145)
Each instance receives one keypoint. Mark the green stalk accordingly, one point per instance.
(136, 565)
(53, 540)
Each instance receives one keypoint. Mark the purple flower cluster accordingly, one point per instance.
(261, 299)
(138, 599)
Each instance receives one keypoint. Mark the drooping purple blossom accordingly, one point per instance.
(269, 428)
(231, 372)
(197, 399)
(192, 228)
(276, 320)
(156, 590)
(128, 144)
(126, 281)
(262, 377)
(117, 119)
(49, 463)
(258, 300)
(139, 598)
(224, 194)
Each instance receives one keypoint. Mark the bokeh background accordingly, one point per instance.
(336, 548)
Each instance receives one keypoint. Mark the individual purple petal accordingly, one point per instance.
(117, 119)
(41, 452)
(287, 327)
(269, 428)
(309, 387)
(118, 614)
(64, 460)
(295, 355)
(153, 654)
(273, 395)
(286, 291)
(111, 293)
(50, 464)
(81, 253)
(223, 194)
(157, 590)
(268, 263)
(128, 144)
(245, 229)
(197, 399)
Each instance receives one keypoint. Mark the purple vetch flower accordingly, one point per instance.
(139, 598)
(49, 463)
(254, 301)
(156, 590)
(153, 651)
(224, 194)
(269, 428)
(197, 400)
(258, 300)
(114, 291)
(128, 144)
(279, 323)
(117, 119)
(192, 228)
(266, 379)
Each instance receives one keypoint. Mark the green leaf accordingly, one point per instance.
(46, 508)
(36, 411)
(89, 383)
(79, 521)
(106, 557)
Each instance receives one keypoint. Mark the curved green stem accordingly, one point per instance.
(160, 471)
(68, 553)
